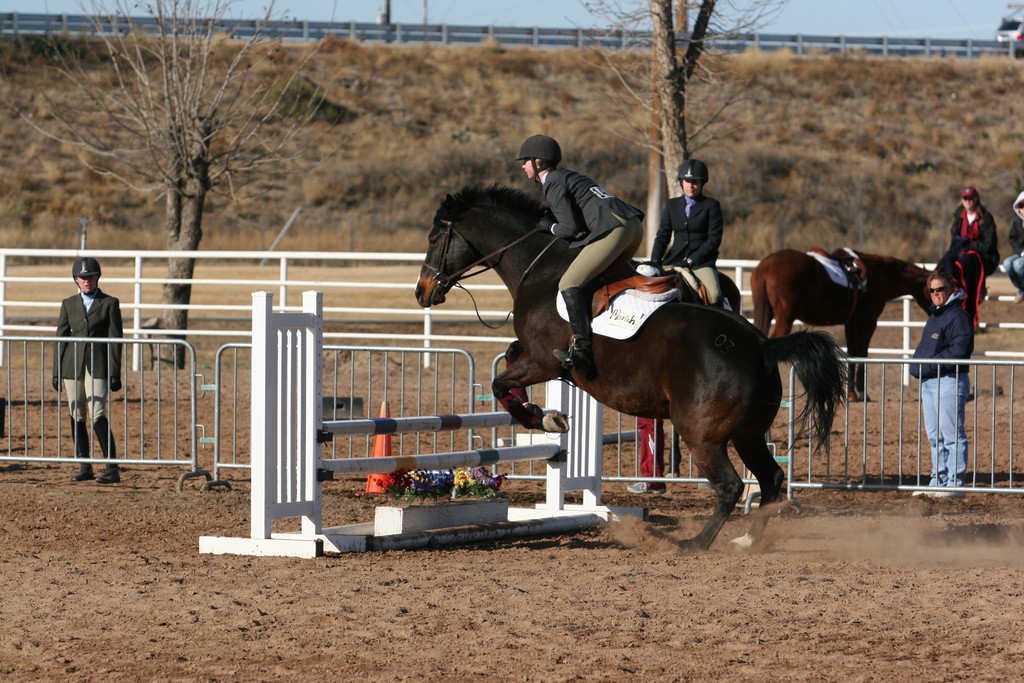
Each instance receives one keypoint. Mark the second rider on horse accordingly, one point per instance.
(597, 223)
(692, 223)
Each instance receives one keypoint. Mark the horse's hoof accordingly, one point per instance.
(555, 423)
(744, 542)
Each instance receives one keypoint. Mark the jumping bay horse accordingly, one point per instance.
(790, 285)
(709, 371)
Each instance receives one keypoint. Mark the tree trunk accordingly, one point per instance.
(671, 78)
(670, 89)
(184, 231)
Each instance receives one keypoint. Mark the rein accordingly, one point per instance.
(447, 281)
(453, 280)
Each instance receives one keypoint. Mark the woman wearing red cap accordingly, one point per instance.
(973, 251)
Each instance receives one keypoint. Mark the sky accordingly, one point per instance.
(977, 19)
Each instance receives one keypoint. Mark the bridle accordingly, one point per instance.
(448, 280)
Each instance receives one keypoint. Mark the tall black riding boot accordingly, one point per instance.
(112, 474)
(80, 435)
(581, 352)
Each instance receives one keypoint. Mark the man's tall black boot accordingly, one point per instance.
(80, 436)
(581, 352)
(112, 474)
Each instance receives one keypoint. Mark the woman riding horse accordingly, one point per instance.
(599, 224)
(707, 369)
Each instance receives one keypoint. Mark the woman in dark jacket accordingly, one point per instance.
(600, 225)
(948, 335)
(692, 223)
(1014, 263)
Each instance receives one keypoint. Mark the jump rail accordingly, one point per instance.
(288, 470)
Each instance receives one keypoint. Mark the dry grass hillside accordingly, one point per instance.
(830, 151)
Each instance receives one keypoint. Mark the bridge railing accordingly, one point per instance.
(16, 23)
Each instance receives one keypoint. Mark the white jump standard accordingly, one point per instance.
(287, 469)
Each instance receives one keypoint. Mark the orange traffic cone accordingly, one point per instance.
(377, 483)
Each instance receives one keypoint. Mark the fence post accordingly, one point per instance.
(908, 350)
(583, 468)
(428, 330)
(3, 301)
(312, 380)
(283, 273)
(263, 424)
(138, 350)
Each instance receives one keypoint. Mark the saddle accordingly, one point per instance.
(646, 285)
(851, 264)
(621, 275)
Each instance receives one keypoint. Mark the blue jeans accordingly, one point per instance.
(1014, 266)
(943, 400)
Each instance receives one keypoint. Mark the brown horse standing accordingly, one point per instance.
(706, 369)
(788, 284)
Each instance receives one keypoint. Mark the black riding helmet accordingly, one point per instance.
(85, 266)
(541, 147)
(693, 169)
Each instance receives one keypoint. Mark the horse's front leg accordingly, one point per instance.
(509, 388)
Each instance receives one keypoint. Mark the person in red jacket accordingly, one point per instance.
(973, 252)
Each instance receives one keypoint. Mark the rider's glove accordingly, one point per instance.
(649, 269)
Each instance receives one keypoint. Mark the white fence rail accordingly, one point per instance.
(534, 36)
(33, 282)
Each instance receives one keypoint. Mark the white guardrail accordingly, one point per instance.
(452, 34)
(34, 281)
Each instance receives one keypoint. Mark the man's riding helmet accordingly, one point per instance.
(85, 266)
(541, 147)
(693, 169)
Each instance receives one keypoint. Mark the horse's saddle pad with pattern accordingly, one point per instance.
(627, 312)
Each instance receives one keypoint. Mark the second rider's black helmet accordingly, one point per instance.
(540, 147)
(693, 169)
(85, 266)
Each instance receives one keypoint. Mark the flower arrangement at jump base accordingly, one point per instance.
(434, 485)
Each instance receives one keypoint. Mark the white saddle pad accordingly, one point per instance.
(628, 312)
(835, 272)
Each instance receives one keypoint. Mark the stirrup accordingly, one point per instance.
(576, 358)
(570, 357)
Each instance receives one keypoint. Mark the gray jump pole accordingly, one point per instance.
(287, 467)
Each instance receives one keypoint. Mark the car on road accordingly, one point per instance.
(1011, 32)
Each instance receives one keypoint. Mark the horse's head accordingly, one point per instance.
(448, 255)
(474, 228)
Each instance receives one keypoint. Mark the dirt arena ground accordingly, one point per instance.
(106, 583)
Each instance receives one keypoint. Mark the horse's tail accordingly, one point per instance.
(820, 366)
(762, 306)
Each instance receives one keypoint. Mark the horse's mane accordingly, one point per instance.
(492, 196)
(895, 263)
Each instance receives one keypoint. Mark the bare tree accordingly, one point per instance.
(180, 109)
(676, 127)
